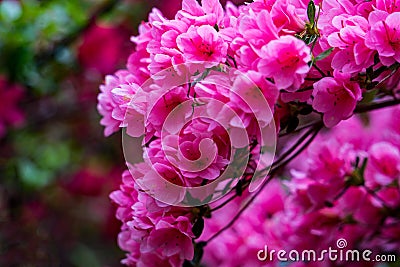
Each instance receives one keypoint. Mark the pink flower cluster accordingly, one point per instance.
(326, 56)
(348, 188)
(152, 234)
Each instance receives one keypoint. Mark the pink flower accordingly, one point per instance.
(383, 167)
(210, 12)
(336, 97)
(202, 44)
(10, 114)
(102, 48)
(258, 29)
(356, 202)
(289, 15)
(169, 8)
(349, 37)
(199, 151)
(114, 100)
(170, 238)
(248, 232)
(384, 37)
(150, 232)
(388, 6)
(286, 61)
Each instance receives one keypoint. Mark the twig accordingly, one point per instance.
(369, 107)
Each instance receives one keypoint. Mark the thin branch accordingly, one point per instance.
(377, 105)
(319, 70)
(302, 127)
(293, 148)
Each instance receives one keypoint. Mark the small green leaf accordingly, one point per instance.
(324, 54)
(191, 200)
(369, 96)
(311, 12)
(32, 176)
(309, 39)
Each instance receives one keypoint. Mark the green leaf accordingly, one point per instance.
(310, 39)
(32, 176)
(82, 256)
(10, 10)
(369, 96)
(311, 12)
(191, 200)
(324, 54)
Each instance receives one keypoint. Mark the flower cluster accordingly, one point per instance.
(348, 188)
(206, 87)
(153, 235)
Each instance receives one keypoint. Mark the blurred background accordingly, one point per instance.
(56, 168)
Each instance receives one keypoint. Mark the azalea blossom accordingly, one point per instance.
(204, 89)
(385, 36)
(202, 44)
(336, 98)
(286, 61)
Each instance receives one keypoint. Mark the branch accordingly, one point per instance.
(377, 105)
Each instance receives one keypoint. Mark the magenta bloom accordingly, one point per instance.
(349, 38)
(151, 233)
(102, 48)
(202, 44)
(383, 164)
(10, 114)
(286, 61)
(202, 121)
(113, 103)
(385, 37)
(336, 98)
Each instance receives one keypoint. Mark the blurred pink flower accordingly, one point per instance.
(10, 113)
(102, 48)
(383, 167)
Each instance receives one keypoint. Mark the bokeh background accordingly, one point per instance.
(56, 167)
